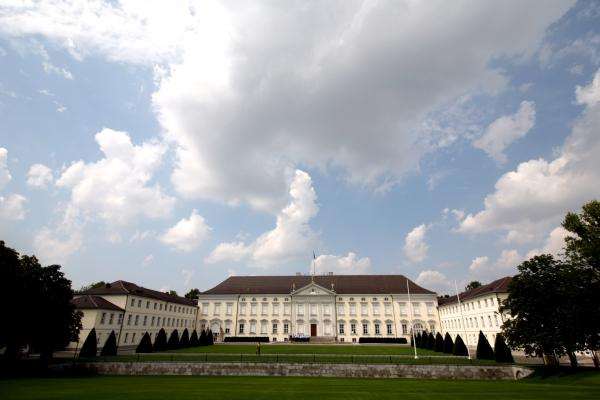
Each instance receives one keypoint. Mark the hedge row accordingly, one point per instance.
(262, 339)
(500, 353)
(382, 340)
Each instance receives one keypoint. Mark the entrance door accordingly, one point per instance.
(313, 329)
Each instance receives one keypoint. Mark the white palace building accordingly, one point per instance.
(326, 308)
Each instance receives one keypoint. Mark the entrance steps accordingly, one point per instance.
(322, 339)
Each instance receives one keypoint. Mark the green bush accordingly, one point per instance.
(210, 339)
(459, 347)
(90, 346)
(110, 347)
(194, 342)
(160, 342)
(484, 350)
(203, 339)
(430, 341)
(448, 344)
(145, 345)
(502, 352)
(173, 342)
(439, 343)
(185, 339)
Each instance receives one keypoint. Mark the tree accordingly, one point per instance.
(173, 342)
(93, 285)
(459, 347)
(90, 345)
(439, 343)
(472, 285)
(203, 341)
(484, 350)
(145, 345)
(448, 344)
(43, 292)
(210, 339)
(160, 342)
(430, 341)
(193, 294)
(194, 342)
(544, 301)
(502, 352)
(185, 339)
(110, 347)
(172, 293)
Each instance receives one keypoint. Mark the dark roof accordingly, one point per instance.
(89, 302)
(342, 284)
(497, 286)
(124, 287)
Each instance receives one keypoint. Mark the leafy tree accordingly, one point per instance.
(210, 339)
(193, 294)
(448, 344)
(439, 343)
(194, 342)
(90, 345)
(160, 342)
(145, 345)
(502, 352)
(93, 285)
(472, 285)
(203, 340)
(110, 347)
(172, 293)
(544, 303)
(43, 292)
(484, 350)
(185, 339)
(173, 342)
(459, 347)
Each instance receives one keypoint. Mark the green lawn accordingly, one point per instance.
(580, 386)
(307, 349)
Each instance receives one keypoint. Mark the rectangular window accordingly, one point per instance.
(241, 328)
(158, 321)
(377, 331)
(120, 320)
(402, 307)
(404, 329)
(252, 327)
(132, 302)
(264, 308)
(286, 309)
(340, 309)
(137, 319)
(139, 303)
(204, 308)
(388, 309)
(155, 305)
(300, 309)
(365, 329)
(353, 329)
(416, 308)
(313, 309)
(102, 318)
(375, 308)
(286, 328)
(229, 308)
(152, 321)
(352, 309)
(364, 309)
(217, 308)
(430, 308)
(274, 329)
(145, 319)
(263, 327)
(242, 308)
(276, 308)
(341, 329)
(489, 321)
(126, 336)
(147, 304)
(129, 319)
(227, 330)
(253, 309)
(111, 319)
(133, 337)
(389, 329)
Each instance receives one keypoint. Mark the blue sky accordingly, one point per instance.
(176, 145)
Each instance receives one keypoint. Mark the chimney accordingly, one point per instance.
(330, 273)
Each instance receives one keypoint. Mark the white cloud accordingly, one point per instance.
(12, 206)
(349, 264)
(506, 264)
(139, 236)
(505, 130)
(187, 275)
(415, 247)
(5, 176)
(50, 68)
(188, 233)
(434, 280)
(554, 244)
(457, 214)
(117, 187)
(528, 201)
(230, 89)
(147, 260)
(292, 238)
(39, 176)
(54, 245)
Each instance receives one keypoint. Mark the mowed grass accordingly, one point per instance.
(581, 386)
(348, 349)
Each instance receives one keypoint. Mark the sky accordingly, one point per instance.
(174, 144)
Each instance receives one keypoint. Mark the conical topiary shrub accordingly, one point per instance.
(459, 347)
(203, 341)
(90, 345)
(194, 339)
(210, 339)
(484, 350)
(173, 342)
(448, 344)
(502, 352)
(185, 339)
(430, 341)
(145, 345)
(439, 343)
(110, 347)
(160, 342)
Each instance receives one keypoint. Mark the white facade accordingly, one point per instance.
(317, 311)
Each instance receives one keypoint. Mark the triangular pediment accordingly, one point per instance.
(312, 289)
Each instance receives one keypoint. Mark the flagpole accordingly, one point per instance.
(462, 319)
(412, 325)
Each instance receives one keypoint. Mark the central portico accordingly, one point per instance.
(325, 307)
